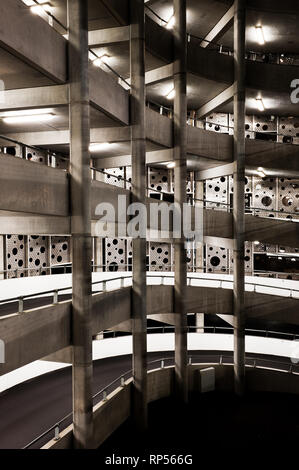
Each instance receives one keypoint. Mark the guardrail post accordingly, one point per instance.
(21, 305)
(55, 297)
(162, 364)
(122, 381)
(57, 433)
(105, 395)
(104, 286)
(221, 360)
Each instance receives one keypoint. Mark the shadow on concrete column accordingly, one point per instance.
(180, 181)
(239, 199)
(137, 53)
(81, 223)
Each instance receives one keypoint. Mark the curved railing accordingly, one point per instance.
(223, 281)
(102, 394)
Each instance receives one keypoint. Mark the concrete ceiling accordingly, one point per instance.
(280, 21)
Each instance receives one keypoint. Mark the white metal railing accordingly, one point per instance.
(198, 280)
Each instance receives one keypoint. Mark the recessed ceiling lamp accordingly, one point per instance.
(261, 173)
(171, 94)
(260, 34)
(170, 23)
(260, 104)
(98, 147)
(99, 61)
(170, 165)
(27, 116)
(256, 243)
(30, 3)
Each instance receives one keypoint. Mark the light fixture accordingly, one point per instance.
(30, 3)
(41, 9)
(260, 172)
(98, 147)
(26, 116)
(171, 94)
(256, 242)
(170, 165)
(260, 34)
(170, 23)
(260, 104)
(99, 61)
(28, 119)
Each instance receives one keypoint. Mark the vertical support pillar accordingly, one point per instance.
(139, 321)
(180, 181)
(2, 257)
(80, 223)
(239, 199)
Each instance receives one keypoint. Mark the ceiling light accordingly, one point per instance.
(30, 3)
(256, 242)
(260, 104)
(170, 165)
(260, 35)
(26, 112)
(170, 23)
(39, 118)
(98, 147)
(171, 94)
(41, 9)
(99, 61)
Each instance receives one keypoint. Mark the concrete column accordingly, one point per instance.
(199, 252)
(2, 257)
(239, 199)
(200, 322)
(139, 321)
(98, 254)
(80, 223)
(180, 181)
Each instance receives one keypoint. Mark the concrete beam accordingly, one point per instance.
(221, 170)
(15, 223)
(106, 37)
(158, 75)
(39, 97)
(223, 25)
(32, 40)
(220, 100)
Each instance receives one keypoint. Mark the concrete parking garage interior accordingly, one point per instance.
(115, 324)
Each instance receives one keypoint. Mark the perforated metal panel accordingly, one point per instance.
(38, 255)
(115, 254)
(158, 180)
(264, 195)
(15, 255)
(115, 176)
(288, 196)
(216, 190)
(217, 259)
(160, 258)
(60, 251)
